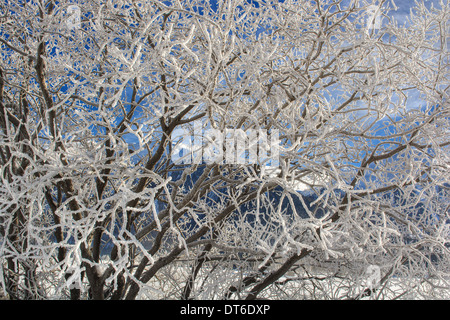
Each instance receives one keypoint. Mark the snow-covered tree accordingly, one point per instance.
(93, 203)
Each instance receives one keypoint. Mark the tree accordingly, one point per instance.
(93, 203)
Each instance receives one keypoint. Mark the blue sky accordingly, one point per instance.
(404, 7)
(401, 13)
